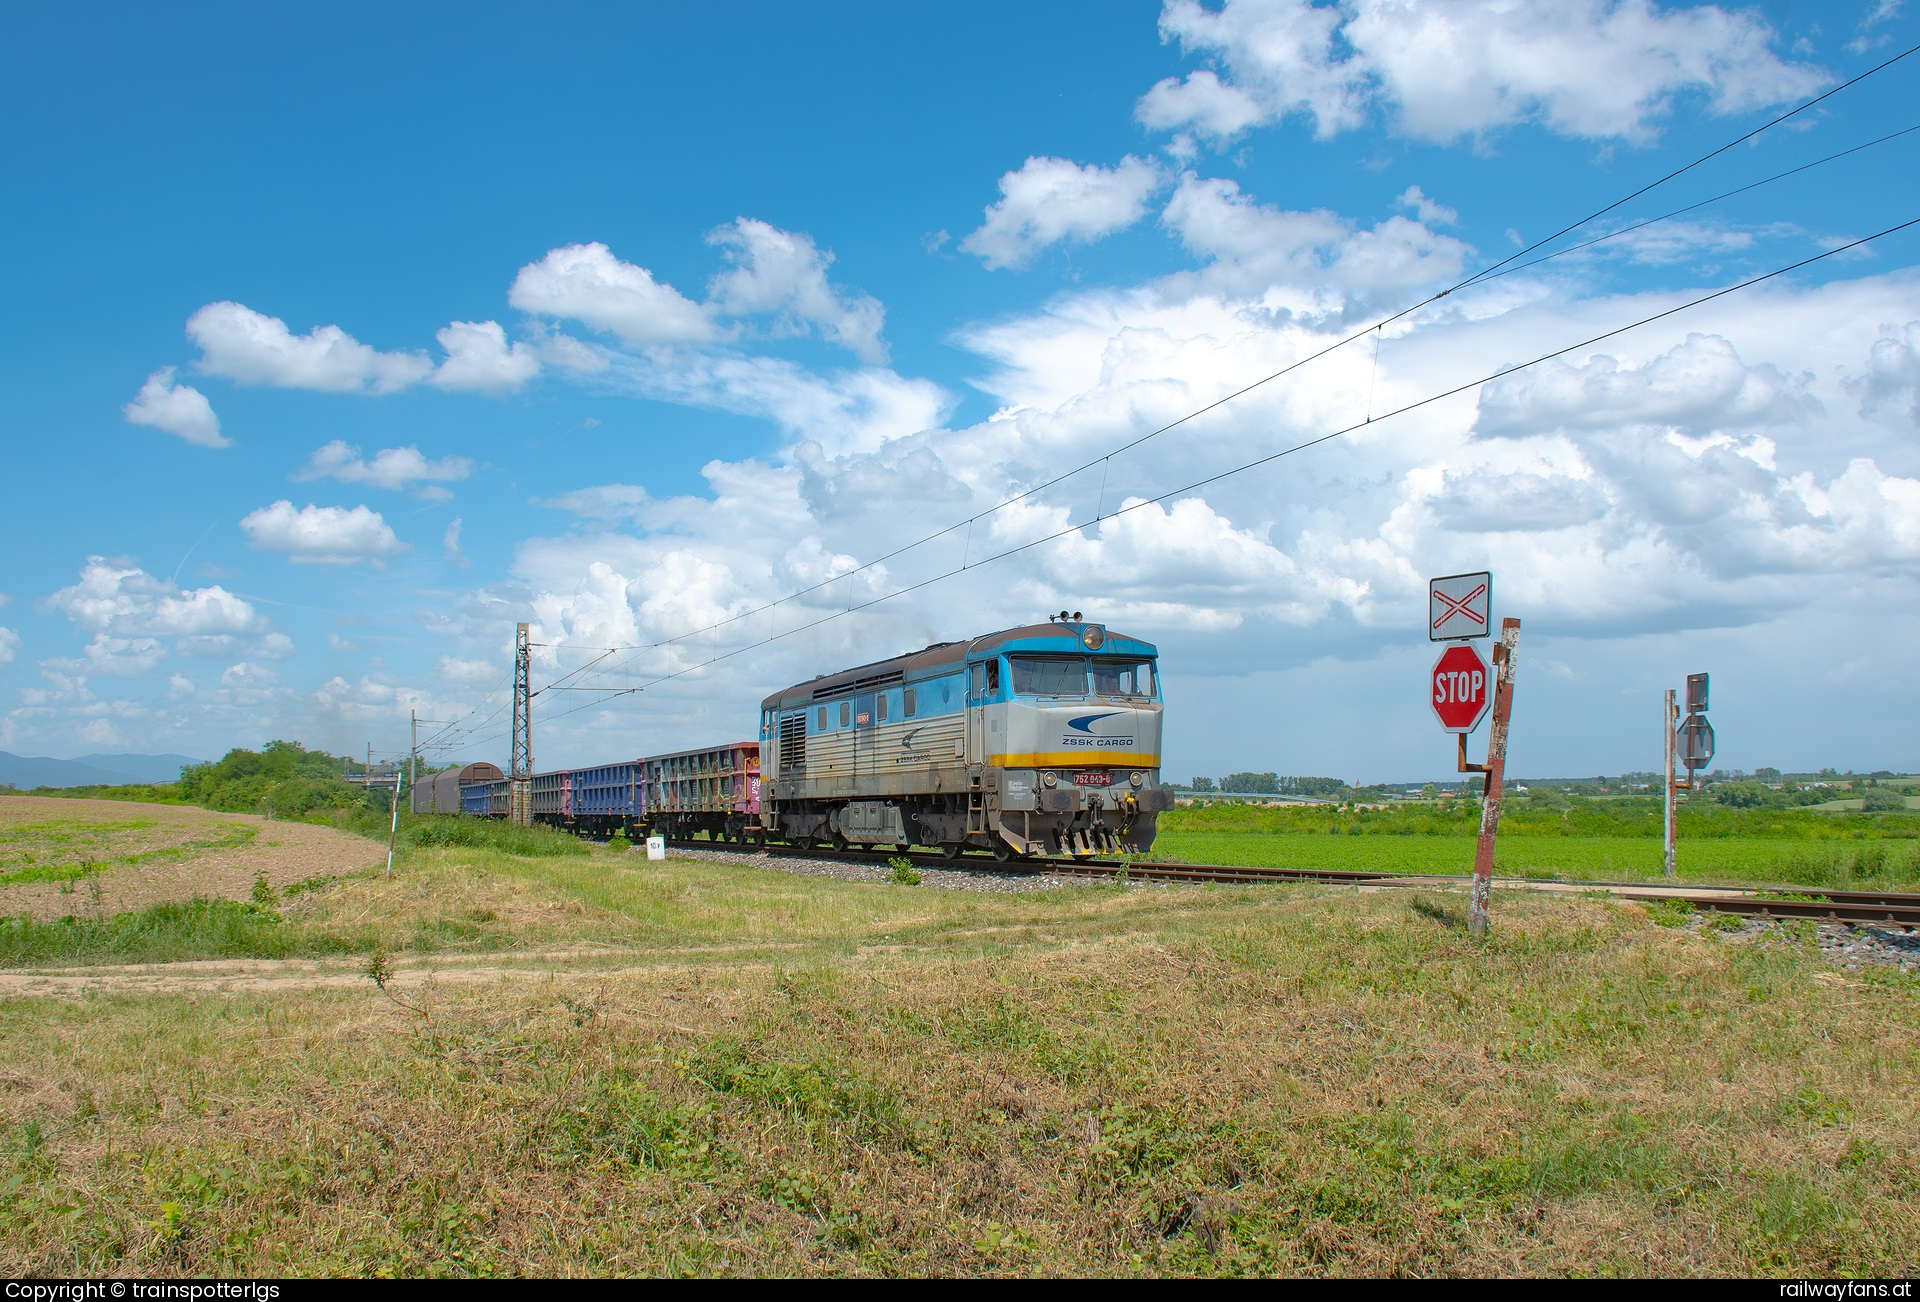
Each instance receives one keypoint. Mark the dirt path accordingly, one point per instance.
(171, 858)
(230, 976)
(215, 977)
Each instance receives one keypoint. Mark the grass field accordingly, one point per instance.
(591, 1064)
(1893, 865)
(1591, 841)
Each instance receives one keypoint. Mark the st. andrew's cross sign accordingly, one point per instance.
(1458, 606)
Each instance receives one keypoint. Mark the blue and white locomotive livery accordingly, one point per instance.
(1036, 740)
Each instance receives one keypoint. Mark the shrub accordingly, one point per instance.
(486, 833)
(903, 873)
(1881, 800)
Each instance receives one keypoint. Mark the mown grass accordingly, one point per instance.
(756, 1073)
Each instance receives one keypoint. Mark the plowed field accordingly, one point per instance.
(96, 858)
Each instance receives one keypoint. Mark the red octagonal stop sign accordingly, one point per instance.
(1461, 690)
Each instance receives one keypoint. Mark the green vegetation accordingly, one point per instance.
(1548, 834)
(445, 830)
(1543, 813)
(171, 933)
(706, 1068)
(284, 779)
(158, 793)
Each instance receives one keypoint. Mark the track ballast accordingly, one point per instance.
(1783, 902)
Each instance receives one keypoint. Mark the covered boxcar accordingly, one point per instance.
(445, 792)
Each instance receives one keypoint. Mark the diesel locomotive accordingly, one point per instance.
(1036, 740)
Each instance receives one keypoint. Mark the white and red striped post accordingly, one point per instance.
(1495, 769)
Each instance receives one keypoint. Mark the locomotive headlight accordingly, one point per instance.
(1093, 638)
(1135, 780)
(1050, 780)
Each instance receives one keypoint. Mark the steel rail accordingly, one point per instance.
(1785, 901)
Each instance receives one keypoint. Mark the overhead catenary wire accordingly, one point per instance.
(1680, 212)
(1295, 448)
(1503, 267)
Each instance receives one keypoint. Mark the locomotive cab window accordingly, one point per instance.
(908, 713)
(880, 715)
(1123, 677)
(846, 713)
(820, 723)
(979, 679)
(1049, 676)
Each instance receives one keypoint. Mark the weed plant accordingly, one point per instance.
(167, 933)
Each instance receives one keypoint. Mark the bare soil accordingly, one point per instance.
(161, 840)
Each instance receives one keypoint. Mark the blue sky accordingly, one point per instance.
(676, 313)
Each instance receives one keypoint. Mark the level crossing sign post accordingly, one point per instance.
(1689, 742)
(1463, 690)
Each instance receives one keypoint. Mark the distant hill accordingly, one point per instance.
(29, 771)
(141, 768)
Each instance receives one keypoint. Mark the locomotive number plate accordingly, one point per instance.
(1093, 779)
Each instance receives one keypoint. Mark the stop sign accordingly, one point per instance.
(1461, 689)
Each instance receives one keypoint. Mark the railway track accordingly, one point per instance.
(1872, 907)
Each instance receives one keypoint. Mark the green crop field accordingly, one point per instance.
(1602, 841)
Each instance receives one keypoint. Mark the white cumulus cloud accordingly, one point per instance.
(178, 409)
(1251, 249)
(325, 535)
(130, 615)
(1889, 391)
(479, 359)
(252, 348)
(126, 601)
(391, 468)
(783, 274)
(1699, 386)
(586, 283)
(1048, 200)
(9, 645)
(1443, 69)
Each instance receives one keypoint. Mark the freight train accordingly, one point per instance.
(1029, 741)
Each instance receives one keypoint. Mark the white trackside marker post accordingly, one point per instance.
(1496, 771)
(393, 833)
